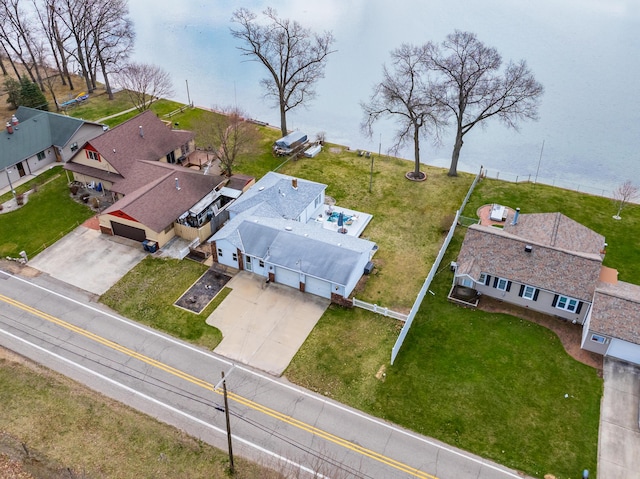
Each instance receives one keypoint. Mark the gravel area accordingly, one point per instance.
(203, 291)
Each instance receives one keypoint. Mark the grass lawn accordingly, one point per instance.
(147, 293)
(65, 425)
(488, 383)
(49, 214)
(407, 216)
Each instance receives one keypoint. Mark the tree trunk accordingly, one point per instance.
(453, 169)
(63, 56)
(4, 70)
(283, 119)
(105, 75)
(416, 151)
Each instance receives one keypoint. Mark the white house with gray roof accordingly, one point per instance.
(33, 139)
(277, 230)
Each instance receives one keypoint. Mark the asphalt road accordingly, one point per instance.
(272, 421)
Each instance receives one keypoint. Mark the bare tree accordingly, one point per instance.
(18, 21)
(73, 15)
(145, 83)
(623, 195)
(294, 56)
(409, 95)
(17, 32)
(476, 90)
(112, 36)
(228, 136)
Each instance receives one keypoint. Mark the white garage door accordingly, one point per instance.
(623, 350)
(318, 287)
(288, 277)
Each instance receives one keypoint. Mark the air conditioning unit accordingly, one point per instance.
(453, 266)
(368, 268)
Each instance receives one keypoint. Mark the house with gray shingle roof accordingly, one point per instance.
(545, 262)
(612, 327)
(552, 264)
(33, 139)
(277, 230)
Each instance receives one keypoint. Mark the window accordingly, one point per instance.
(235, 256)
(568, 304)
(248, 259)
(483, 278)
(41, 156)
(501, 284)
(261, 264)
(171, 157)
(93, 155)
(529, 292)
(219, 252)
(316, 203)
(467, 282)
(598, 339)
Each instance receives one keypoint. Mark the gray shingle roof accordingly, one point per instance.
(37, 131)
(317, 252)
(616, 311)
(276, 198)
(487, 249)
(557, 231)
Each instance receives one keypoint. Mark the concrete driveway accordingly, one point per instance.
(89, 260)
(264, 325)
(619, 440)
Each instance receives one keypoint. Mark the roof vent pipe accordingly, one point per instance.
(141, 131)
(9, 128)
(14, 120)
(294, 183)
(177, 184)
(515, 218)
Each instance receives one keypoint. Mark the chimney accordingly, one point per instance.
(515, 218)
(9, 128)
(141, 131)
(177, 184)
(294, 183)
(14, 120)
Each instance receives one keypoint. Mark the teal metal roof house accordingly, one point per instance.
(33, 139)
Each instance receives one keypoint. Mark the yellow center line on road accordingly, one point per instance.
(209, 386)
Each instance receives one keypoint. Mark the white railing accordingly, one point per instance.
(379, 309)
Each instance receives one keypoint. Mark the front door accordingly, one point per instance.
(20, 167)
(247, 262)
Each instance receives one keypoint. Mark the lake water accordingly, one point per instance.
(586, 53)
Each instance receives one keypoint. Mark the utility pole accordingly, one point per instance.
(188, 96)
(539, 161)
(226, 413)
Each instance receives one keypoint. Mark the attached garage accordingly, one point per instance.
(623, 350)
(318, 287)
(127, 231)
(287, 277)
